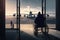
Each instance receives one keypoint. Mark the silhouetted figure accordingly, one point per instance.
(24, 16)
(12, 25)
(39, 22)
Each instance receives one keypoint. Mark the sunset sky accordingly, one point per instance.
(29, 5)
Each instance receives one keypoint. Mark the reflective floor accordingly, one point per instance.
(27, 33)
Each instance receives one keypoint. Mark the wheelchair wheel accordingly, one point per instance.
(46, 29)
(35, 31)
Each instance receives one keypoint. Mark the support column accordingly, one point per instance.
(2, 19)
(58, 15)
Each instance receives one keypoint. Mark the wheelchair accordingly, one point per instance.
(44, 29)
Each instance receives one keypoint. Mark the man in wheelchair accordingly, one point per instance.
(39, 23)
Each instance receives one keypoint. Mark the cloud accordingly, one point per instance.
(27, 9)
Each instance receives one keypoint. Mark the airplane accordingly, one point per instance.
(30, 15)
(33, 16)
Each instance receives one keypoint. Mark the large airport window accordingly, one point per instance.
(30, 27)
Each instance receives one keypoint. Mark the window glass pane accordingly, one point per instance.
(10, 10)
(51, 13)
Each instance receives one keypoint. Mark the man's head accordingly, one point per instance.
(39, 14)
